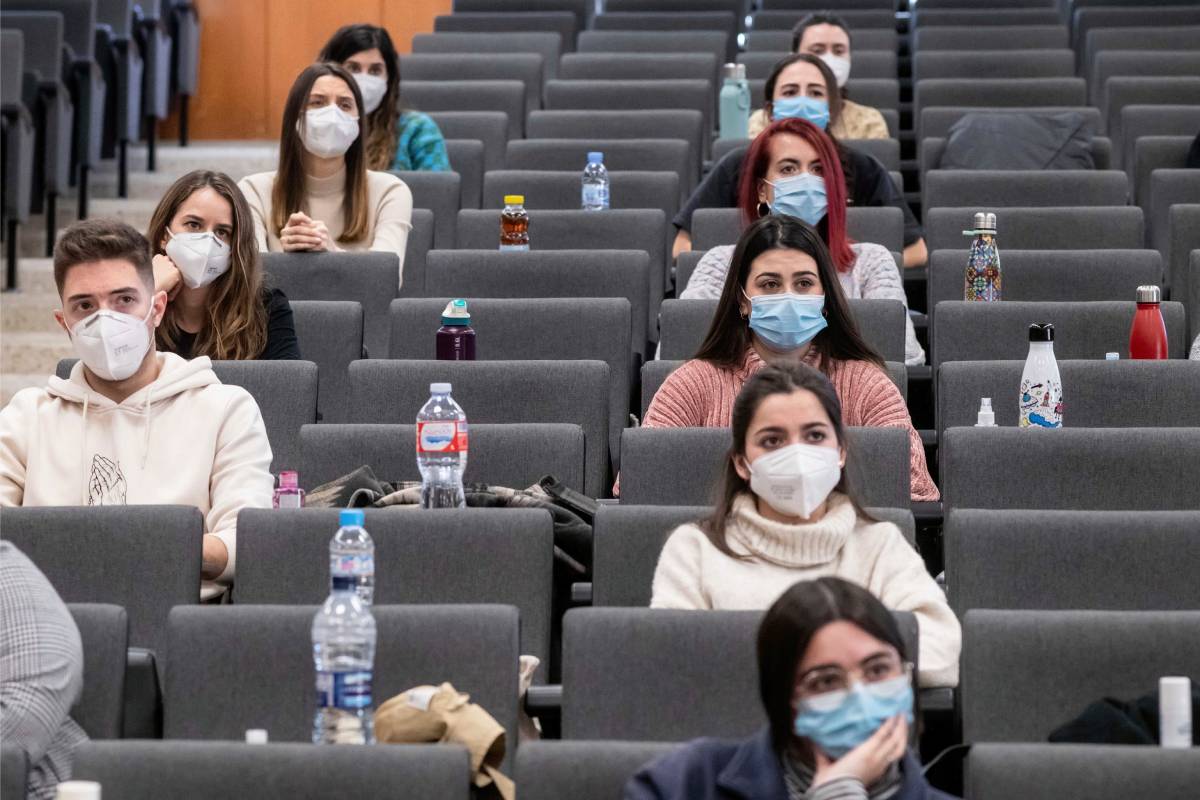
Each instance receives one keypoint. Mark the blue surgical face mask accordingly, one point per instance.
(837, 722)
(787, 321)
(801, 196)
(810, 109)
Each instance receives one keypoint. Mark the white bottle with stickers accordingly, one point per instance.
(442, 449)
(1041, 397)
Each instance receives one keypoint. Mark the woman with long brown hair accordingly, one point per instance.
(784, 513)
(208, 263)
(323, 198)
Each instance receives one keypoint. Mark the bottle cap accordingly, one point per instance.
(439, 388)
(456, 313)
(514, 199)
(1175, 691)
(351, 516)
(256, 736)
(1149, 294)
(78, 790)
(1112, 356)
(986, 417)
(596, 157)
(1041, 332)
(740, 73)
(990, 222)
(289, 479)
(729, 71)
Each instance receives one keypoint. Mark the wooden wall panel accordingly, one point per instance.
(252, 50)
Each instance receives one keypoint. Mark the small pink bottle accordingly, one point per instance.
(289, 494)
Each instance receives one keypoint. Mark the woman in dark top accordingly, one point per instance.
(837, 689)
(207, 261)
(868, 183)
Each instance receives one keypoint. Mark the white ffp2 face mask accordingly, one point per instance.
(840, 67)
(796, 479)
(328, 131)
(111, 344)
(373, 89)
(200, 257)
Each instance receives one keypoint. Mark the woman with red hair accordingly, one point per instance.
(793, 168)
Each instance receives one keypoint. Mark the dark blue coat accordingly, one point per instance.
(716, 769)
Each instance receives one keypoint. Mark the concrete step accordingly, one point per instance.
(34, 275)
(155, 184)
(203, 155)
(29, 312)
(32, 235)
(33, 353)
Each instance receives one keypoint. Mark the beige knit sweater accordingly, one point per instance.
(693, 574)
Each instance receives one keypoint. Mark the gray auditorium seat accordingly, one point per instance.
(935, 122)
(885, 151)
(971, 331)
(547, 45)
(420, 242)
(1098, 772)
(961, 65)
(620, 155)
(995, 93)
(974, 16)
(441, 193)
(656, 42)
(283, 560)
(142, 558)
(685, 265)
(582, 9)
(1076, 228)
(1108, 63)
(991, 37)
(104, 633)
(507, 96)
(1121, 91)
(330, 451)
(528, 68)
(1151, 469)
(330, 333)
(857, 18)
(563, 24)
(14, 770)
(778, 41)
(633, 95)
(1025, 673)
(560, 189)
(148, 770)
(120, 59)
(1149, 38)
(724, 23)
(566, 273)
(882, 225)
(550, 770)
(1154, 154)
(489, 127)
(686, 322)
(932, 147)
(867, 64)
(1183, 222)
(955, 188)
(503, 392)
(1085, 20)
(681, 466)
(640, 66)
(19, 143)
(1100, 560)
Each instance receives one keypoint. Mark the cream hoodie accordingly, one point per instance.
(692, 573)
(186, 439)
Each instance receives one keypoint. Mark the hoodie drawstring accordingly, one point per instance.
(83, 452)
(146, 443)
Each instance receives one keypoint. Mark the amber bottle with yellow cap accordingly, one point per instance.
(514, 223)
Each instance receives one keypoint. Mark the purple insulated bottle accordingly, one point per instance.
(456, 337)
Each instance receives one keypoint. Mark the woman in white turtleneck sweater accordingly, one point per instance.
(322, 197)
(784, 516)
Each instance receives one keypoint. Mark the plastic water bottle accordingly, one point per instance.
(289, 494)
(595, 184)
(352, 555)
(1041, 399)
(734, 103)
(441, 449)
(343, 638)
(982, 280)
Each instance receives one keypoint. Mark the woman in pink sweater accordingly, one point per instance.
(782, 303)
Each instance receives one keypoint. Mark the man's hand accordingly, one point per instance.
(869, 760)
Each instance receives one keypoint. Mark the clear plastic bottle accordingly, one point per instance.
(1041, 399)
(514, 224)
(343, 639)
(352, 554)
(595, 183)
(982, 280)
(442, 449)
(289, 494)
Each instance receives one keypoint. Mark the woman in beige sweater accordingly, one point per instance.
(784, 515)
(323, 197)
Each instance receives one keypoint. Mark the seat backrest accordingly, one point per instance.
(367, 278)
(489, 127)
(723, 23)
(1138, 62)
(959, 64)
(936, 121)
(856, 18)
(1025, 673)
(682, 466)
(560, 189)
(1097, 771)
(641, 66)
(43, 33)
(329, 452)
(548, 45)
(1123, 90)
(478, 95)
(626, 675)
(691, 94)
(1103, 394)
(868, 64)
(932, 148)
(331, 335)
(1048, 559)
(550, 274)
(563, 24)
(286, 393)
(1151, 37)
(1076, 228)
(420, 242)
(104, 632)
(12, 65)
(441, 193)
(954, 188)
(971, 331)
(79, 22)
(998, 92)
(885, 151)
(972, 16)
(283, 559)
(685, 323)
(882, 225)
(685, 265)
(715, 42)
(549, 770)
(528, 68)
(990, 37)
(780, 41)
(1073, 468)
(142, 558)
(1138, 121)
(1084, 20)
(243, 666)
(1183, 224)
(620, 155)
(14, 772)
(582, 9)
(664, 123)
(1158, 153)
(502, 392)
(144, 770)
(1173, 192)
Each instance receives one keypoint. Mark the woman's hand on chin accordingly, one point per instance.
(167, 277)
(870, 760)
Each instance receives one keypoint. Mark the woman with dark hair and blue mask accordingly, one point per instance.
(836, 684)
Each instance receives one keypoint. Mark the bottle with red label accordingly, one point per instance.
(1148, 334)
(441, 449)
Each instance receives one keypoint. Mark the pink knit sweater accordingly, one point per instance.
(700, 395)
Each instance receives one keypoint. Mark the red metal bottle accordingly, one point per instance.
(1148, 335)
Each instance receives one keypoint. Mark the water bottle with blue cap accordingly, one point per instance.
(352, 555)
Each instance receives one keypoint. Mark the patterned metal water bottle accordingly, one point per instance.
(983, 263)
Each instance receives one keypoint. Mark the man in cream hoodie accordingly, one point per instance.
(132, 426)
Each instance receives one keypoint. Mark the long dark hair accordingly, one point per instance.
(771, 380)
(383, 131)
(832, 95)
(729, 336)
(788, 627)
(290, 189)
